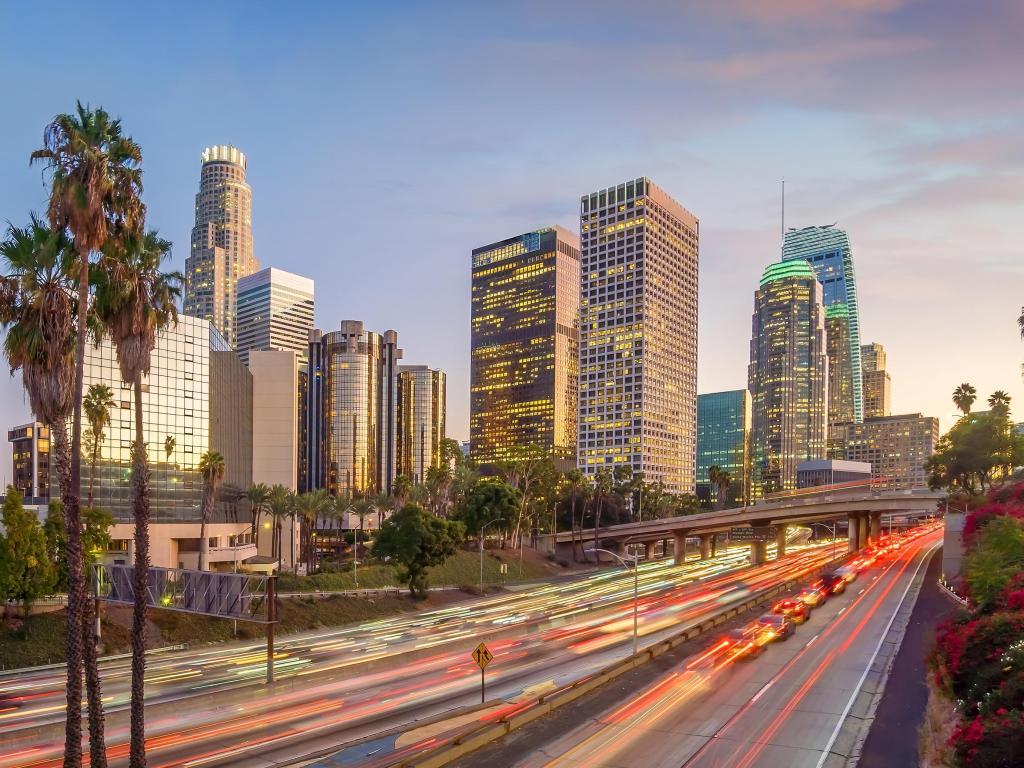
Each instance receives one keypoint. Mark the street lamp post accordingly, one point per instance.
(636, 585)
(482, 527)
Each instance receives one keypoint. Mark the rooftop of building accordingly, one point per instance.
(275, 276)
(224, 153)
(806, 241)
(786, 270)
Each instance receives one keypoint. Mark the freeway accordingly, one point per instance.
(209, 707)
(785, 708)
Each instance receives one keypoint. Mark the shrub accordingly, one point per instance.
(991, 741)
(974, 657)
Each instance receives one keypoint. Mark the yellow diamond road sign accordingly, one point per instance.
(482, 656)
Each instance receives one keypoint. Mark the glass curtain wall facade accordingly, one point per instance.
(357, 370)
(222, 249)
(523, 378)
(421, 420)
(179, 406)
(788, 375)
(638, 334)
(723, 440)
(30, 454)
(827, 250)
(275, 311)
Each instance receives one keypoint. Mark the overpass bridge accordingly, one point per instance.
(861, 508)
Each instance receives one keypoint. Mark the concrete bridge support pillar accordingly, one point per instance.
(862, 531)
(679, 547)
(853, 528)
(705, 546)
(758, 552)
(876, 527)
(780, 542)
(714, 544)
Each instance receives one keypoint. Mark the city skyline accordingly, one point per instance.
(909, 234)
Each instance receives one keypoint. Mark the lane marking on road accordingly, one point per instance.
(841, 610)
(881, 640)
(764, 688)
(808, 643)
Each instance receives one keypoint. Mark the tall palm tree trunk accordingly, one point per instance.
(76, 597)
(140, 493)
(92, 467)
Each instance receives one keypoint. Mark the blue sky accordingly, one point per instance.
(386, 140)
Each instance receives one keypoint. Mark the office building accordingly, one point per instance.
(810, 474)
(524, 346)
(638, 334)
(723, 440)
(421, 420)
(222, 250)
(877, 384)
(197, 397)
(30, 448)
(897, 448)
(274, 311)
(788, 375)
(351, 411)
(827, 250)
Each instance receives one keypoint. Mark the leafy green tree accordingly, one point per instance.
(258, 496)
(491, 499)
(416, 540)
(57, 542)
(978, 449)
(279, 504)
(30, 572)
(96, 524)
(996, 557)
(95, 179)
(686, 504)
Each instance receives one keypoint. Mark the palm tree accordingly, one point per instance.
(361, 509)
(211, 467)
(722, 480)
(400, 490)
(97, 404)
(39, 312)
(134, 301)
(576, 484)
(279, 503)
(1020, 322)
(601, 489)
(169, 444)
(95, 193)
(999, 401)
(305, 507)
(258, 496)
(964, 397)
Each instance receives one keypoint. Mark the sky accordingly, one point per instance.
(387, 140)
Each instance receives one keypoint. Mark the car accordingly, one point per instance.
(814, 595)
(834, 582)
(848, 572)
(772, 627)
(796, 611)
(743, 644)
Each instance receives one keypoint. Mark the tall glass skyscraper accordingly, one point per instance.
(788, 375)
(723, 440)
(274, 311)
(222, 251)
(827, 250)
(877, 383)
(421, 420)
(523, 380)
(638, 334)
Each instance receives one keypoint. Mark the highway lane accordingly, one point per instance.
(780, 710)
(347, 684)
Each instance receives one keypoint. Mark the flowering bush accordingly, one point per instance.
(994, 740)
(1004, 501)
(978, 657)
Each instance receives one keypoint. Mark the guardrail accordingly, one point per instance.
(480, 735)
(951, 593)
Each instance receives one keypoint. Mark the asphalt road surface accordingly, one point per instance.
(783, 709)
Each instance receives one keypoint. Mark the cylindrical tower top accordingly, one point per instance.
(224, 153)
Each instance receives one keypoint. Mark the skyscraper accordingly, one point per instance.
(221, 240)
(723, 440)
(897, 447)
(274, 311)
(30, 454)
(788, 375)
(351, 432)
(638, 334)
(524, 346)
(421, 420)
(827, 250)
(877, 384)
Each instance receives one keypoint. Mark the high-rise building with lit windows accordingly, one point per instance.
(723, 441)
(827, 250)
(638, 334)
(896, 447)
(274, 311)
(222, 251)
(877, 384)
(524, 346)
(30, 444)
(788, 375)
(421, 420)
